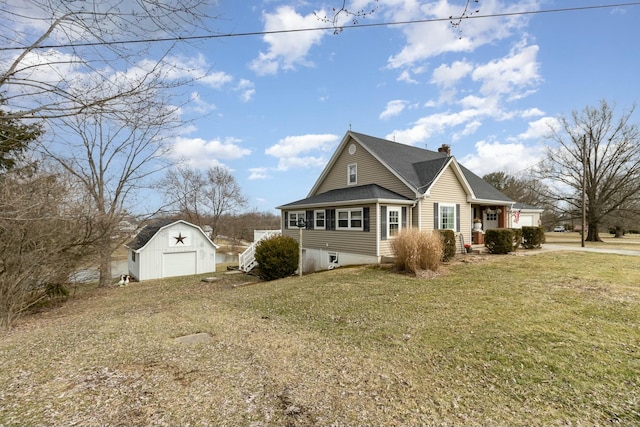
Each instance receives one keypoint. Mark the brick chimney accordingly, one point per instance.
(446, 149)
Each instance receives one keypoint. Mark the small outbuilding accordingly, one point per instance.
(169, 248)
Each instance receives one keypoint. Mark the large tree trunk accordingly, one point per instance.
(619, 232)
(593, 235)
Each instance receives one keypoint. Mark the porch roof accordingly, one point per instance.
(357, 194)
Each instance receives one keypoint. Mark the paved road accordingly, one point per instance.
(560, 247)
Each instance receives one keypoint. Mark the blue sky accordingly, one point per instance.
(276, 106)
(490, 91)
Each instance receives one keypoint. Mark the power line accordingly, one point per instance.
(332, 28)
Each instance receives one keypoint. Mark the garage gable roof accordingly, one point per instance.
(146, 234)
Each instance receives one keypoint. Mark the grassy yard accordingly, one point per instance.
(630, 241)
(549, 339)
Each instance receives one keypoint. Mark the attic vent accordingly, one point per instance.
(446, 149)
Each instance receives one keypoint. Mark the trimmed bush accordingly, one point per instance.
(532, 237)
(277, 257)
(417, 250)
(499, 240)
(448, 244)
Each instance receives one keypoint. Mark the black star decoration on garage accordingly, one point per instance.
(180, 238)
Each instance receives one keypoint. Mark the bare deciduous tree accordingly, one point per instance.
(59, 54)
(203, 197)
(112, 152)
(45, 236)
(602, 147)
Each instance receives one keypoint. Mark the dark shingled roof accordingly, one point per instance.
(348, 194)
(420, 167)
(149, 230)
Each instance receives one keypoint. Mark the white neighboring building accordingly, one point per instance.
(524, 216)
(168, 248)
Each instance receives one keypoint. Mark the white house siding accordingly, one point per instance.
(369, 171)
(151, 260)
(447, 189)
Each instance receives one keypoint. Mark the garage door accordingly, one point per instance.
(526, 221)
(178, 264)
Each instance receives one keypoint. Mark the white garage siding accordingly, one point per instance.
(175, 249)
(179, 264)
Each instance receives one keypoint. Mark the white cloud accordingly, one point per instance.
(428, 40)
(493, 156)
(287, 50)
(506, 75)
(246, 89)
(447, 76)
(290, 149)
(200, 153)
(532, 112)
(540, 129)
(258, 174)
(394, 108)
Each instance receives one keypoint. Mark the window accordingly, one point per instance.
(294, 217)
(133, 256)
(493, 216)
(319, 220)
(393, 222)
(349, 219)
(352, 174)
(333, 257)
(447, 217)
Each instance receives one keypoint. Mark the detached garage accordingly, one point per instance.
(168, 248)
(524, 216)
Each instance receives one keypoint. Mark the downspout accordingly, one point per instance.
(378, 232)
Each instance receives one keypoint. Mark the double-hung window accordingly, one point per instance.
(352, 174)
(294, 217)
(447, 217)
(349, 219)
(393, 222)
(319, 218)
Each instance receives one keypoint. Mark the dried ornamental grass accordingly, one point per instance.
(417, 250)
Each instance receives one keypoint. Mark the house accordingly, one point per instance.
(167, 248)
(372, 188)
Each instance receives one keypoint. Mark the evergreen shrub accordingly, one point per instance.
(277, 257)
(448, 244)
(499, 240)
(532, 237)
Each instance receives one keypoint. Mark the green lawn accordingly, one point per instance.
(548, 339)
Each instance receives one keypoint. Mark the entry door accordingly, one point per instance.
(490, 220)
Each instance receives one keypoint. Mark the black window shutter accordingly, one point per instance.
(309, 225)
(286, 220)
(436, 211)
(331, 219)
(458, 218)
(404, 217)
(383, 223)
(365, 219)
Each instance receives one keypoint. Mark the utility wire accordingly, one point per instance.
(332, 28)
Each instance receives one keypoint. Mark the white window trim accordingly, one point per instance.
(440, 215)
(299, 214)
(399, 211)
(315, 220)
(355, 166)
(349, 219)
